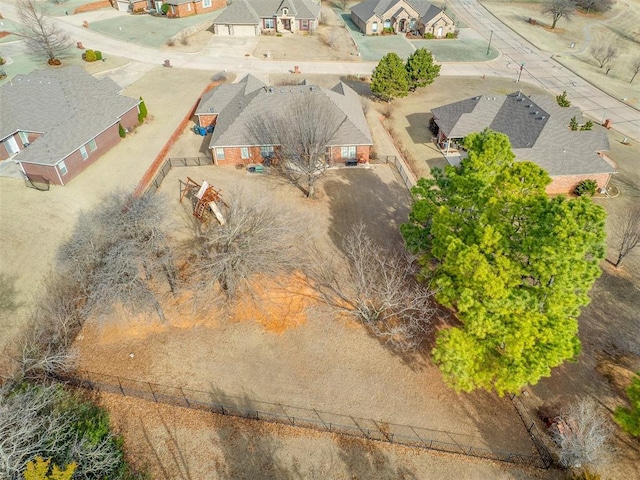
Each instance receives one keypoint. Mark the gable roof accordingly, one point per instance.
(239, 104)
(249, 12)
(68, 106)
(537, 128)
(369, 8)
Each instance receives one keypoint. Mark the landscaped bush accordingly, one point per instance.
(164, 8)
(562, 100)
(586, 187)
(388, 30)
(122, 131)
(142, 111)
(2, 61)
(98, 54)
(587, 126)
(89, 56)
(429, 36)
(573, 124)
(451, 35)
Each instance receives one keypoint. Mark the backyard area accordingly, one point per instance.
(617, 27)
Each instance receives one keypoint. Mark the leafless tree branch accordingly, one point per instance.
(628, 233)
(41, 35)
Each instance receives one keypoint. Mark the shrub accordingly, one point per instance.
(451, 35)
(89, 56)
(388, 30)
(278, 34)
(562, 100)
(585, 475)
(587, 126)
(164, 8)
(629, 418)
(573, 124)
(122, 131)
(142, 111)
(2, 61)
(98, 54)
(586, 187)
(429, 36)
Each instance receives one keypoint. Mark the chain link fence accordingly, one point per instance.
(310, 418)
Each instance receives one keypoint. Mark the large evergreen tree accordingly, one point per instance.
(514, 264)
(420, 68)
(390, 79)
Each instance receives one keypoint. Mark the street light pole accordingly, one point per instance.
(520, 72)
(490, 37)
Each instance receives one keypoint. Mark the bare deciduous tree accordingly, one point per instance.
(300, 136)
(378, 288)
(342, 4)
(258, 238)
(117, 251)
(635, 68)
(628, 232)
(41, 35)
(603, 53)
(584, 435)
(558, 9)
(25, 428)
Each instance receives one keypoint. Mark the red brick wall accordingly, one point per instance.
(233, 155)
(74, 162)
(4, 154)
(92, 6)
(206, 120)
(215, 5)
(181, 11)
(566, 183)
(130, 118)
(362, 154)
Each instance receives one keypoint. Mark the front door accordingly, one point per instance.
(440, 32)
(286, 23)
(12, 146)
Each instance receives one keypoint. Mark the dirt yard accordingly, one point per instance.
(311, 359)
(617, 27)
(331, 41)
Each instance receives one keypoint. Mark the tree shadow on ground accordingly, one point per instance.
(360, 196)
(418, 128)
(364, 459)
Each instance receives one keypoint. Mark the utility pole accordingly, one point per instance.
(520, 72)
(490, 37)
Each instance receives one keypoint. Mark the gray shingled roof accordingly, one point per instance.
(68, 105)
(368, 8)
(248, 103)
(249, 12)
(537, 127)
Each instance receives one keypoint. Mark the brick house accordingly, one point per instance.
(402, 16)
(242, 18)
(538, 129)
(177, 8)
(55, 123)
(234, 108)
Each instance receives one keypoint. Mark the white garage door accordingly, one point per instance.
(222, 30)
(244, 30)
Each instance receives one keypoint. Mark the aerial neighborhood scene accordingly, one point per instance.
(319, 239)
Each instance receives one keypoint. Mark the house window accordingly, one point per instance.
(24, 138)
(206, 3)
(387, 24)
(84, 153)
(348, 152)
(285, 12)
(220, 153)
(266, 151)
(188, 7)
(304, 24)
(268, 23)
(244, 153)
(92, 145)
(62, 167)
(374, 27)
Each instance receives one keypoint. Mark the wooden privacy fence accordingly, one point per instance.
(169, 163)
(310, 418)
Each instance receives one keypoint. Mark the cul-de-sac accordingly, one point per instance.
(319, 239)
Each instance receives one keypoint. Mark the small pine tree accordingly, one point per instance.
(586, 187)
(122, 131)
(142, 111)
(562, 100)
(573, 124)
(587, 126)
(420, 68)
(629, 418)
(390, 79)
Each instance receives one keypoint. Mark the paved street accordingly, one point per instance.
(230, 53)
